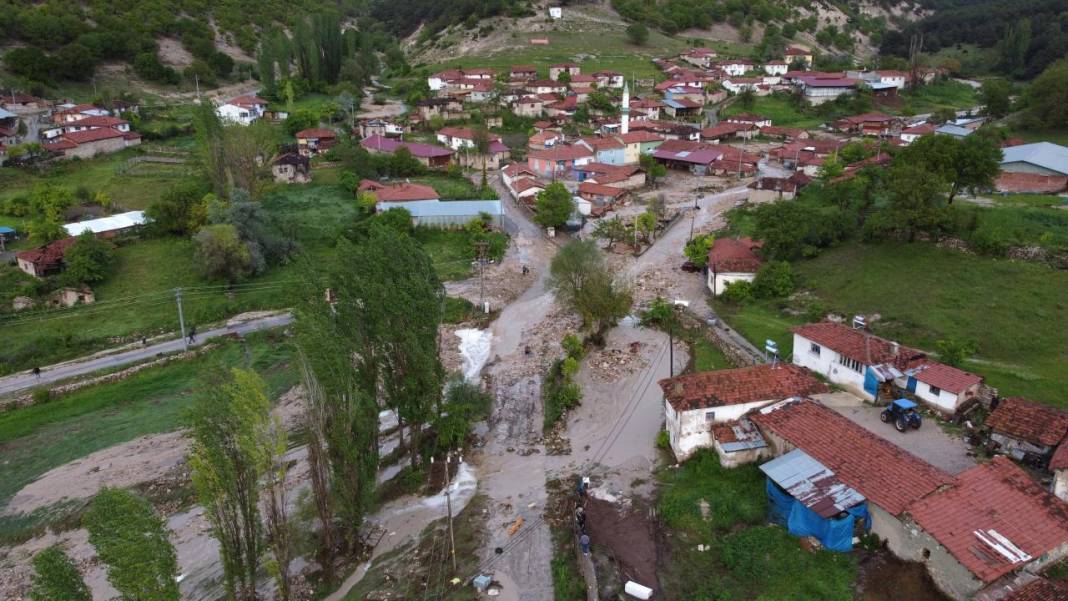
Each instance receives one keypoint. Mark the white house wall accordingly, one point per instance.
(691, 430)
(717, 282)
(827, 365)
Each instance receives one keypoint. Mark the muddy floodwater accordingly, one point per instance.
(883, 577)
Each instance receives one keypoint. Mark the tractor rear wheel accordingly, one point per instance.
(901, 424)
(916, 424)
(885, 416)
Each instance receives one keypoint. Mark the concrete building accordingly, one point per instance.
(694, 403)
(732, 260)
(311, 142)
(942, 387)
(291, 168)
(110, 226)
(434, 157)
(824, 87)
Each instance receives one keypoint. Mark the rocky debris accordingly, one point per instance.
(449, 349)
(654, 283)
(610, 364)
(556, 443)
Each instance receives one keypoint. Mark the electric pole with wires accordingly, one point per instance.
(481, 253)
(181, 317)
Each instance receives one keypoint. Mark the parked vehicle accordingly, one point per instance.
(689, 267)
(902, 413)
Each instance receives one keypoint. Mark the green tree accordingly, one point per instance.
(774, 279)
(653, 170)
(996, 97)
(583, 282)
(747, 98)
(1013, 46)
(221, 253)
(133, 542)
(181, 209)
(611, 231)
(1047, 98)
(792, 229)
(553, 206)
(230, 424)
(88, 260)
(403, 164)
(969, 163)
(954, 352)
(56, 578)
(300, 119)
(645, 224)
(916, 202)
(638, 34)
(696, 250)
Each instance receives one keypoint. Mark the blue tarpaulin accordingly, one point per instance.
(834, 534)
(911, 385)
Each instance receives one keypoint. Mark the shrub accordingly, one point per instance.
(774, 280)
(738, 293)
(663, 440)
(573, 346)
(56, 578)
(41, 395)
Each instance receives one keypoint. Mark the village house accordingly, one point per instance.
(67, 113)
(607, 79)
(734, 161)
(522, 73)
(381, 127)
(444, 107)
(451, 77)
(669, 130)
(546, 86)
(242, 110)
(311, 142)
(562, 109)
(649, 107)
(559, 68)
(601, 197)
(971, 531)
(942, 387)
(544, 139)
(1040, 158)
(23, 104)
(868, 124)
(1058, 464)
(736, 67)
(817, 88)
(915, 132)
(776, 68)
(605, 149)
(696, 403)
(750, 119)
(794, 54)
(627, 177)
(396, 192)
(688, 155)
(786, 134)
(526, 189)
(90, 143)
(1026, 430)
(737, 84)
(724, 131)
(426, 209)
(291, 168)
(768, 189)
(732, 260)
(433, 157)
(9, 128)
(1039, 589)
(559, 161)
(67, 297)
(637, 143)
(45, 260)
(700, 57)
(529, 106)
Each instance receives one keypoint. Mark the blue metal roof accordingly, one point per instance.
(811, 483)
(6, 230)
(446, 208)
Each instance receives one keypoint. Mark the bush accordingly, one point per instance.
(663, 440)
(41, 395)
(573, 346)
(738, 293)
(774, 280)
(56, 578)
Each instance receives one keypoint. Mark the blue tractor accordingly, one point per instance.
(902, 413)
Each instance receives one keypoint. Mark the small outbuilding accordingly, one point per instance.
(732, 260)
(1026, 430)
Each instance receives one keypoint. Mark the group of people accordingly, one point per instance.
(580, 515)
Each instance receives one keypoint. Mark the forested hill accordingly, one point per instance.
(66, 39)
(1027, 34)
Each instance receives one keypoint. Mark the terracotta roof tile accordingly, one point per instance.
(947, 377)
(1027, 420)
(405, 193)
(316, 132)
(734, 255)
(886, 474)
(742, 385)
(858, 345)
(1040, 590)
(600, 190)
(1059, 461)
(996, 496)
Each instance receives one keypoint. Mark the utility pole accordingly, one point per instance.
(181, 317)
(448, 505)
(480, 255)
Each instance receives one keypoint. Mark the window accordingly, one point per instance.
(935, 391)
(710, 416)
(815, 349)
(851, 364)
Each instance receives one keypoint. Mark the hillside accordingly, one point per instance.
(597, 29)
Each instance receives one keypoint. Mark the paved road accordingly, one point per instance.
(79, 367)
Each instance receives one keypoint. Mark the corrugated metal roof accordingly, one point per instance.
(6, 114)
(1044, 154)
(446, 208)
(812, 483)
(106, 224)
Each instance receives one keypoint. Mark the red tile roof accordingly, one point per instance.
(635, 137)
(993, 497)
(1027, 420)
(525, 183)
(316, 132)
(405, 192)
(886, 474)
(593, 189)
(383, 144)
(947, 377)
(561, 152)
(858, 345)
(48, 256)
(737, 386)
(1040, 590)
(734, 255)
(97, 121)
(249, 100)
(1059, 461)
(93, 135)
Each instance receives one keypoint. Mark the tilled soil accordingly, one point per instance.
(624, 533)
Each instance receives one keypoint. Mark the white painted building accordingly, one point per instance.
(776, 68)
(731, 260)
(556, 12)
(844, 355)
(235, 114)
(695, 403)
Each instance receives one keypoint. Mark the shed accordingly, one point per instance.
(810, 500)
(1024, 429)
(108, 226)
(450, 213)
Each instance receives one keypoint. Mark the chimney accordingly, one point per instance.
(895, 348)
(678, 388)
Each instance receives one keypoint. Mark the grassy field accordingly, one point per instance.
(943, 94)
(38, 438)
(1016, 312)
(782, 111)
(746, 559)
(1057, 136)
(608, 49)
